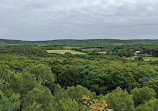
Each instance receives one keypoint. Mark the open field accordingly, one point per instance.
(91, 49)
(145, 58)
(150, 58)
(64, 51)
(131, 58)
(102, 52)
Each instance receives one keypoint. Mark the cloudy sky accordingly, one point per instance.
(78, 19)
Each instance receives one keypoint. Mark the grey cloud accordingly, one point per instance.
(78, 19)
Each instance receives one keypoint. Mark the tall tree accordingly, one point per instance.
(42, 73)
(11, 103)
(41, 97)
(23, 82)
(151, 105)
(120, 100)
(141, 95)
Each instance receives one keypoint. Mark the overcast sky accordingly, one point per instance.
(78, 19)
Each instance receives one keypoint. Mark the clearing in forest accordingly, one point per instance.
(64, 51)
(145, 58)
(150, 58)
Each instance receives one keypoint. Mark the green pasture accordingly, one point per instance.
(145, 58)
(102, 52)
(150, 58)
(91, 49)
(64, 51)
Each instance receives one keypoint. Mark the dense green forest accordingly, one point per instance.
(120, 74)
(88, 42)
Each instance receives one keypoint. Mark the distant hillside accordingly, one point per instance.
(88, 42)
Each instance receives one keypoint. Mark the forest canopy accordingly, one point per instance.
(31, 79)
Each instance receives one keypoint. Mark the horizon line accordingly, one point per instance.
(73, 39)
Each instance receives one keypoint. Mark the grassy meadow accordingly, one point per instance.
(150, 58)
(145, 58)
(64, 51)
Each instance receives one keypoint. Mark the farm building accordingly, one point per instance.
(137, 52)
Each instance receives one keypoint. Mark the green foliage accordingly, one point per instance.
(152, 83)
(5, 73)
(78, 92)
(139, 58)
(60, 93)
(67, 105)
(141, 95)
(97, 81)
(151, 105)
(123, 78)
(42, 73)
(11, 103)
(155, 53)
(88, 42)
(3, 85)
(71, 76)
(120, 100)
(33, 80)
(39, 97)
(24, 50)
(34, 107)
(23, 82)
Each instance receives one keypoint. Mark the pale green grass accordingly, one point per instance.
(64, 51)
(150, 58)
(145, 58)
(91, 49)
(102, 52)
(131, 58)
